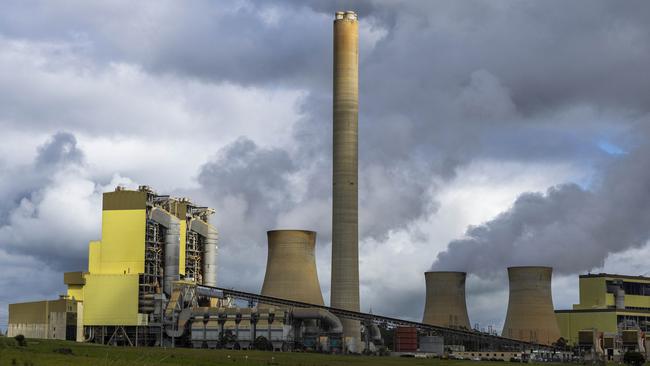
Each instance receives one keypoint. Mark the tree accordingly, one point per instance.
(633, 358)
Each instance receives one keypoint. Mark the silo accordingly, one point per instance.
(530, 314)
(445, 300)
(291, 267)
(345, 219)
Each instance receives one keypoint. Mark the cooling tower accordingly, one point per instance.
(345, 220)
(291, 267)
(530, 314)
(445, 302)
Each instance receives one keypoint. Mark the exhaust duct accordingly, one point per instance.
(333, 323)
(172, 246)
(211, 236)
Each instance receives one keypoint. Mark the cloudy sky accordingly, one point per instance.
(492, 133)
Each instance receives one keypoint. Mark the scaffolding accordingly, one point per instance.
(151, 279)
(193, 256)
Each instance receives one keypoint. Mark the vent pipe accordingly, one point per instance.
(211, 236)
(619, 295)
(445, 300)
(530, 316)
(172, 245)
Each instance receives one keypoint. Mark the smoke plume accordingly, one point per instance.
(568, 227)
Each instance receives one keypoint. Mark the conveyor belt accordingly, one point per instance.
(479, 339)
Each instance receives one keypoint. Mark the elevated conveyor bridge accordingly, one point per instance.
(472, 340)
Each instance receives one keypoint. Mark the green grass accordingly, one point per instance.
(42, 353)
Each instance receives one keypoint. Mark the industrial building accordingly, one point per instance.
(610, 305)
(151, 278)
(148, 242)
(55, 319)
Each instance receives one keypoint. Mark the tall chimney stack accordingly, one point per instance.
(345, 217)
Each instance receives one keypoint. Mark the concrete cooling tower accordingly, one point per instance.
(445, 302)
(291, 267)
(530, 314)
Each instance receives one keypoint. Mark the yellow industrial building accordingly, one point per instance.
(148, 242)
(609, 303)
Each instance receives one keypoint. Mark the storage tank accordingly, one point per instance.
(291, 267)
(445, 300)
(530, 314)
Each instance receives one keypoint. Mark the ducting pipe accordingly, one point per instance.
(375, 335)
(181, 322)
(210, 292)
(333, 323)
(619, 296)
(211, 236)
(172, 245)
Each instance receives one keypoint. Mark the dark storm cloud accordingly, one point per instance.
(259, 176)
(569, 228)
(446, 83)
(249, 186)
(61, 149)
(417, 81)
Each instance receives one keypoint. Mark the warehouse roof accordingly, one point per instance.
(611, 275)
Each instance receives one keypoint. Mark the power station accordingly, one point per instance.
(152, 280)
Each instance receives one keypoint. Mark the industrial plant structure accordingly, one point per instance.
(345, 215)
(149, 242)
(151, 282)
(152, 278)
(610, 305)
(445, 300)
(530, 315)
(56, 319)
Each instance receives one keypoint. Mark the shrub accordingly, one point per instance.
(67, 351)
(20, 340)
(633, 358)
(262, 344)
